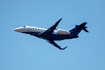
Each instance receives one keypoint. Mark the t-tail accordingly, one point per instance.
(75, 31)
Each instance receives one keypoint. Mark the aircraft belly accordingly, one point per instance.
(60, 37)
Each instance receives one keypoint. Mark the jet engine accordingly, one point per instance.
(63, 32)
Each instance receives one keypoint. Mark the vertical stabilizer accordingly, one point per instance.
(75, 31)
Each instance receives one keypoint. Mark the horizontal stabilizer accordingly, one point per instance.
(83, 26)
(85, 30)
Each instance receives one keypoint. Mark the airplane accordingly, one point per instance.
(52, 34)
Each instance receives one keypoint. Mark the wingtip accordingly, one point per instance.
(64, 48)
(60, 19)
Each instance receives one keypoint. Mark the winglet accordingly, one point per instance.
(64, 48)
(59, 20)
(53, 43)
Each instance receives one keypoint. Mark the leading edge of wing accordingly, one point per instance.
(53, 43)
(50, 30)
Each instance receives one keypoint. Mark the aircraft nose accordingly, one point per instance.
(21, 29)
(18, 30)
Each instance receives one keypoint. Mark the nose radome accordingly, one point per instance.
(18, 30)
(21, 29)
(15, 30)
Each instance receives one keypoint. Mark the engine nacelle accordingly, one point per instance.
(63, 32)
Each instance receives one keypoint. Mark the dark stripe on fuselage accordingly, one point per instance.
(50, 37)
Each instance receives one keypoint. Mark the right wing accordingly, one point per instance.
(50, 30)
(53, 43)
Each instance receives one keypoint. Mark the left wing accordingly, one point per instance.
(53, 43)
(50, 30)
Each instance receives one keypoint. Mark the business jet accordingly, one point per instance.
(52, 34)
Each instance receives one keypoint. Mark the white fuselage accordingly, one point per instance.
(40, 30)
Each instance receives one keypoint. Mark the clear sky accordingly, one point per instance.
(24, 52)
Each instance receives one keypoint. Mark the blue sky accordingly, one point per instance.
(24, 52)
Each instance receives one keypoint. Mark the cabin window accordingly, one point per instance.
(41, 29)
(35, 28)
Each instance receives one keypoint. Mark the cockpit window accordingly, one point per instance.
(24, 26)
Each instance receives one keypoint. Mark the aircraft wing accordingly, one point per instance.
(50, 30)
(53, 43)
